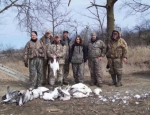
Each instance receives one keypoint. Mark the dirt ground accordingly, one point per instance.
(135, 83)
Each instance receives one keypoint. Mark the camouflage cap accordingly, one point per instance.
(57, 36)
(93, 34)
(47, 31)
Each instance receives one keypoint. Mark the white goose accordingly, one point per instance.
(54, 66)
(11, 96)
(36, 93)
(48, 96)
(64, 93)
(27, 96)
(97, 91)
(51, 95)
(80, 90)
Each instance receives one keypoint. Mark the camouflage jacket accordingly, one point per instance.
(96, 49)
(33, 50)
(117, 48)
(57, 49)
(43, 40)
(67, 42)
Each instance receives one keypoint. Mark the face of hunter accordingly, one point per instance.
(33, 36)
(115, 35)
(47, 35)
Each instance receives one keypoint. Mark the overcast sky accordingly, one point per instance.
(10, 33)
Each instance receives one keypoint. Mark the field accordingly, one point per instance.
(136, 80)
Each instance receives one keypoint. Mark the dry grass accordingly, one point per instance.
(138, 55)
(137, 61)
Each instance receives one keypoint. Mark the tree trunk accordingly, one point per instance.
(110, 17)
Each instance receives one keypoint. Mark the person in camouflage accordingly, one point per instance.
(96, 51)
(46, 39)
(116, 54)
(78, 58)
(34, 53)
(65, 40)
(57, 51)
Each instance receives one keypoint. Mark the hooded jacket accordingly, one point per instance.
(116, 48)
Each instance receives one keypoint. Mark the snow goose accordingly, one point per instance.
(54, 66)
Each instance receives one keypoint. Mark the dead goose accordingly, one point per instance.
(36, 93)
(97, 91)
(27, 96)
(20, 98)
(80, 90)
(10, 96)
(54, 66)
(52, 95)
(79, 95)
(48, 96)
(80, 87)
(64, 94)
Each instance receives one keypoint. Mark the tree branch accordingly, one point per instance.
(114, 1)
(8, 6)
(93, 4)
(69, 2)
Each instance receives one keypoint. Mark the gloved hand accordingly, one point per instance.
(107, 66)
(26, 64)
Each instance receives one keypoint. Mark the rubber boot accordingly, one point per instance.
(119, 77)
(100, 85)
(113, 76)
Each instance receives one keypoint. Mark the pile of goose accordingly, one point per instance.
(79, 90)
(21, 97)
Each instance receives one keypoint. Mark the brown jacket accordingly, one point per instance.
(33, 50)
(57, 49)
(96, 49)
(43, 40)
(117, 48)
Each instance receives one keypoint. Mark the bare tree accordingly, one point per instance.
(110, 14)
(98, 16)
(23, 9)
(136, 6)
(52, 11)
(74, 26)
(28, 17)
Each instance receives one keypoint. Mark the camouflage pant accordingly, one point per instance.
(46, 71)
(59, 75)
(115, 66)
(78, 72)
(66, 70)
(95, 66)
(35, 71)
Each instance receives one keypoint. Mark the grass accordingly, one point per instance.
(137, 61)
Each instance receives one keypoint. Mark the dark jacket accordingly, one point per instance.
(68, 41)
(68, 47)
(84, 52)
